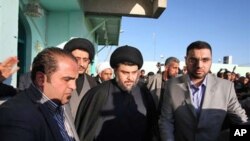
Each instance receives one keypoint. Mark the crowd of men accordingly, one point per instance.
(64, 103)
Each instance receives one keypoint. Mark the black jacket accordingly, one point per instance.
(7, 91)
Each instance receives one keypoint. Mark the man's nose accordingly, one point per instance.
(72, 84)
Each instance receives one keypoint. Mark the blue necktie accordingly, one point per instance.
(196, 100)
(60, 120)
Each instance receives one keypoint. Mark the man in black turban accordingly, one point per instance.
(118, 109)
(83, 50)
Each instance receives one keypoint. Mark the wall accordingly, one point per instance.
(62, 26)
(36, 33)
(8, 32)
(51, 29)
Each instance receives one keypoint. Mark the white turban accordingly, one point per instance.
(102, 66)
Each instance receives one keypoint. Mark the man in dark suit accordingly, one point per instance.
(195, 105)
(83, 50)
(38, 113)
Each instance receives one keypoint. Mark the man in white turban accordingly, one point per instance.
(104, 72)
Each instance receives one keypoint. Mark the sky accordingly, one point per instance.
(224, 24)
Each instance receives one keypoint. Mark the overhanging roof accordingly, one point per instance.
(134, 8)
(108, 13)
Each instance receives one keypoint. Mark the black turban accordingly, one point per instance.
(126, 54)
(82, 44)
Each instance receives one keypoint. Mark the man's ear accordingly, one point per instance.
(166, 67)
(40, 78)
(185, 60)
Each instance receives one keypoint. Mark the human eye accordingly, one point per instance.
(78, 58)
(192, 60)
(85, 59)
(124, 72)
(135, 72)
(67, 79)
(205, 60)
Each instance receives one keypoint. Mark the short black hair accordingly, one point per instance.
(47, 61)
(199, 45)
(170, 60)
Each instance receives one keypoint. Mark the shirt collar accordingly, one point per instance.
(47, 101)
(204, 82)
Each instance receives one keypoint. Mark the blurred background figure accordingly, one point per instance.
(156, 83)
(143, 78)
(25, 80)
(184, 70)
(227, 75)
(241, 87)
(220, 73)
(104, 72)
(150, 74)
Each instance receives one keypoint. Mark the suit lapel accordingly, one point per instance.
(209, 92)
(190, 105)
(185, 87)
(51, 123)
(207, 98)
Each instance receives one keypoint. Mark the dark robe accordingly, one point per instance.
(109, 113)
(98, 79)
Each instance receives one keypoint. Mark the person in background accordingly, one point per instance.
(38, 113)
(233, 77)
(241, 88)
(83, 50)
(7, 68)
(104, 72)
(195, 105)
(156, 83)
(24, 81)
(143, 78)
(247, 75)
(227, 75)
(184, 70)
(118, 109)
(150, 74)
(220, 73)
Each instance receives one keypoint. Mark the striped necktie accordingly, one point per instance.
(60, 120)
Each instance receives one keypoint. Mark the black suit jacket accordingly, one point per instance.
(7, 91)
(24, 118)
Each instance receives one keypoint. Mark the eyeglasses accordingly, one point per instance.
(85, 60)
(196, 60)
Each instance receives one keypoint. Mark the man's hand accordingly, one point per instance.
(8, 67)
